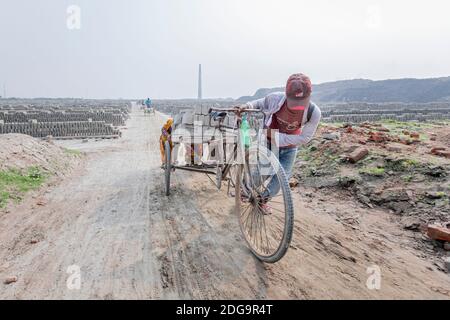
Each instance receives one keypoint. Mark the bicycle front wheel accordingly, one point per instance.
(264, 204)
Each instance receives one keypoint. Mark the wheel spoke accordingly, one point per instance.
(267, 238)
(248, 215)
(278, 202)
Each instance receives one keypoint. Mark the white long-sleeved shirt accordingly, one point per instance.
(272, 104)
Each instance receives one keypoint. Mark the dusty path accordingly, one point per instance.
(110, 219)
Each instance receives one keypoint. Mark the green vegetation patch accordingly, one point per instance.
(376, 172)
(15, 183)
(409, 163)
(403, 165)
(320, 162)
(371, 158)
(406, 125)
(72, 152)
(408, 178)
(333, 124)
(397, 128)
(441, 194)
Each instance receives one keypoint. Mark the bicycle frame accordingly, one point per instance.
(238, 113)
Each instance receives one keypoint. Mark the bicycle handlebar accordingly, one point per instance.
(236, 110)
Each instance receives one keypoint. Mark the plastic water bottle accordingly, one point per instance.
(245, 131)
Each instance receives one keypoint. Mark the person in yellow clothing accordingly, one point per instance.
(166, 132)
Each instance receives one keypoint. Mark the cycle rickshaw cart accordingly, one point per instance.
(251, 171)
(150, 111)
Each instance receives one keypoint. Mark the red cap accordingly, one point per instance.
(298, 87)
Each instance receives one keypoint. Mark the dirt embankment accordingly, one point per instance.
(400, 168)
(19, 151)
(27, 163)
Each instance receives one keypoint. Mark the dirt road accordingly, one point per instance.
(110, 219)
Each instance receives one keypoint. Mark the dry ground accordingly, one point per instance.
(110, 218)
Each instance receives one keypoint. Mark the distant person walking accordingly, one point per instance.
(148, 103)
(148, 106)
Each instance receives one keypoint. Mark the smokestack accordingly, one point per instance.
(200, 96)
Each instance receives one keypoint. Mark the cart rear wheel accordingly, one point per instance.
(168, 166)
(219, 177)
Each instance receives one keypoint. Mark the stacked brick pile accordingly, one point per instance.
(78, 129)
(360, 112)
(64, 120)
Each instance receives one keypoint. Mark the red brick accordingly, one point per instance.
(10, 280)
(377, 137)
(438, 233)
(362, 141)
(405, 141)
(357, 155)
(434, 150)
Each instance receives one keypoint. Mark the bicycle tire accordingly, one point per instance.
(286, 239)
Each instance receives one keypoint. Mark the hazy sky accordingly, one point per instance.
(139, 48)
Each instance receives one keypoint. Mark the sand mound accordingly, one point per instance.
(18, 151)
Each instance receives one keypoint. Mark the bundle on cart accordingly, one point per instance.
(199, 136)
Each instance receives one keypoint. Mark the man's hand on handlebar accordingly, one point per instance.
(240, 107)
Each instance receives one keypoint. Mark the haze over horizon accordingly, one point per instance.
(153, 48)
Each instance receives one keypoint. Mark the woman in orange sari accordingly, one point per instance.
(166, 132)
